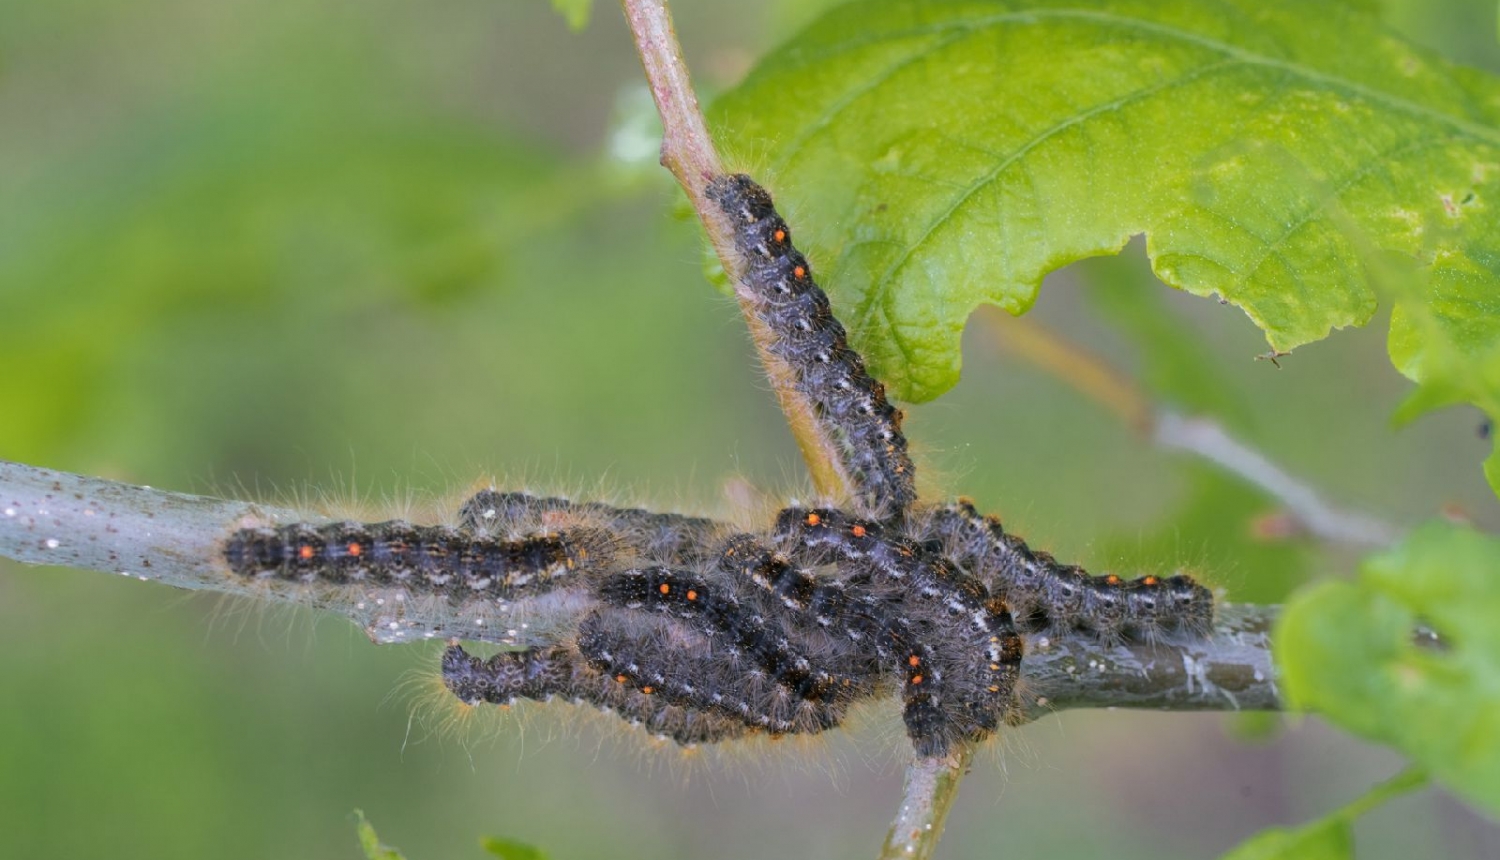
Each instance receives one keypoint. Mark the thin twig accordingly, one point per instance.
(688, 152)
(1096, 379)
(1209, 440)
(927, 797)
(1070, 363)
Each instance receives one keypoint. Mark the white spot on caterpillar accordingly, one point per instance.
(51, 543)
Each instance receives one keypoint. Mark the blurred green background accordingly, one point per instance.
(248, 247)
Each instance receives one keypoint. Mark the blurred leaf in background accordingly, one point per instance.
(1329, 838)
(1350, 652)
(370, 842)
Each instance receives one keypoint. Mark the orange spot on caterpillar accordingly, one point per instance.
(305, 552)
(692, 595)
(780, 235)
(621, 678)
(1149, 580)
(857, 531)
(664, 588)
(648, 690)
(916, 679)
(799, 272)
(813, 519)
(355, 549)
(1112, 579)
(913, 660)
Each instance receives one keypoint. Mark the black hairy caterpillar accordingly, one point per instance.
(540, 674)
(422, 559)
(849, 402)
(674, 539)
(1045, 594)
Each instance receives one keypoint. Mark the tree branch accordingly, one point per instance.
(57, 518)
(688, 152)
(1208, 439)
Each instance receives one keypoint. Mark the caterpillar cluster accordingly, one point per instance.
(950, 694)
(700, 632)
(850, 404)
(775, 634)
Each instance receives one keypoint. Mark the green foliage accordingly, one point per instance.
(505, 849)
(1328, 838)
(370, 843)
(509, 849)
(1268, 150)
(575, 11)
(1347, 650)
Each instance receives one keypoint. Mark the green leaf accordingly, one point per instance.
(575, 11)
(1330, 838)
(1322, 840)
(368, 841)
(955, 152)
(1347, 651)
(507, 849)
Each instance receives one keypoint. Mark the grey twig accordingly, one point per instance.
(1204, 437)
(1208, 439)
(930, 789)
